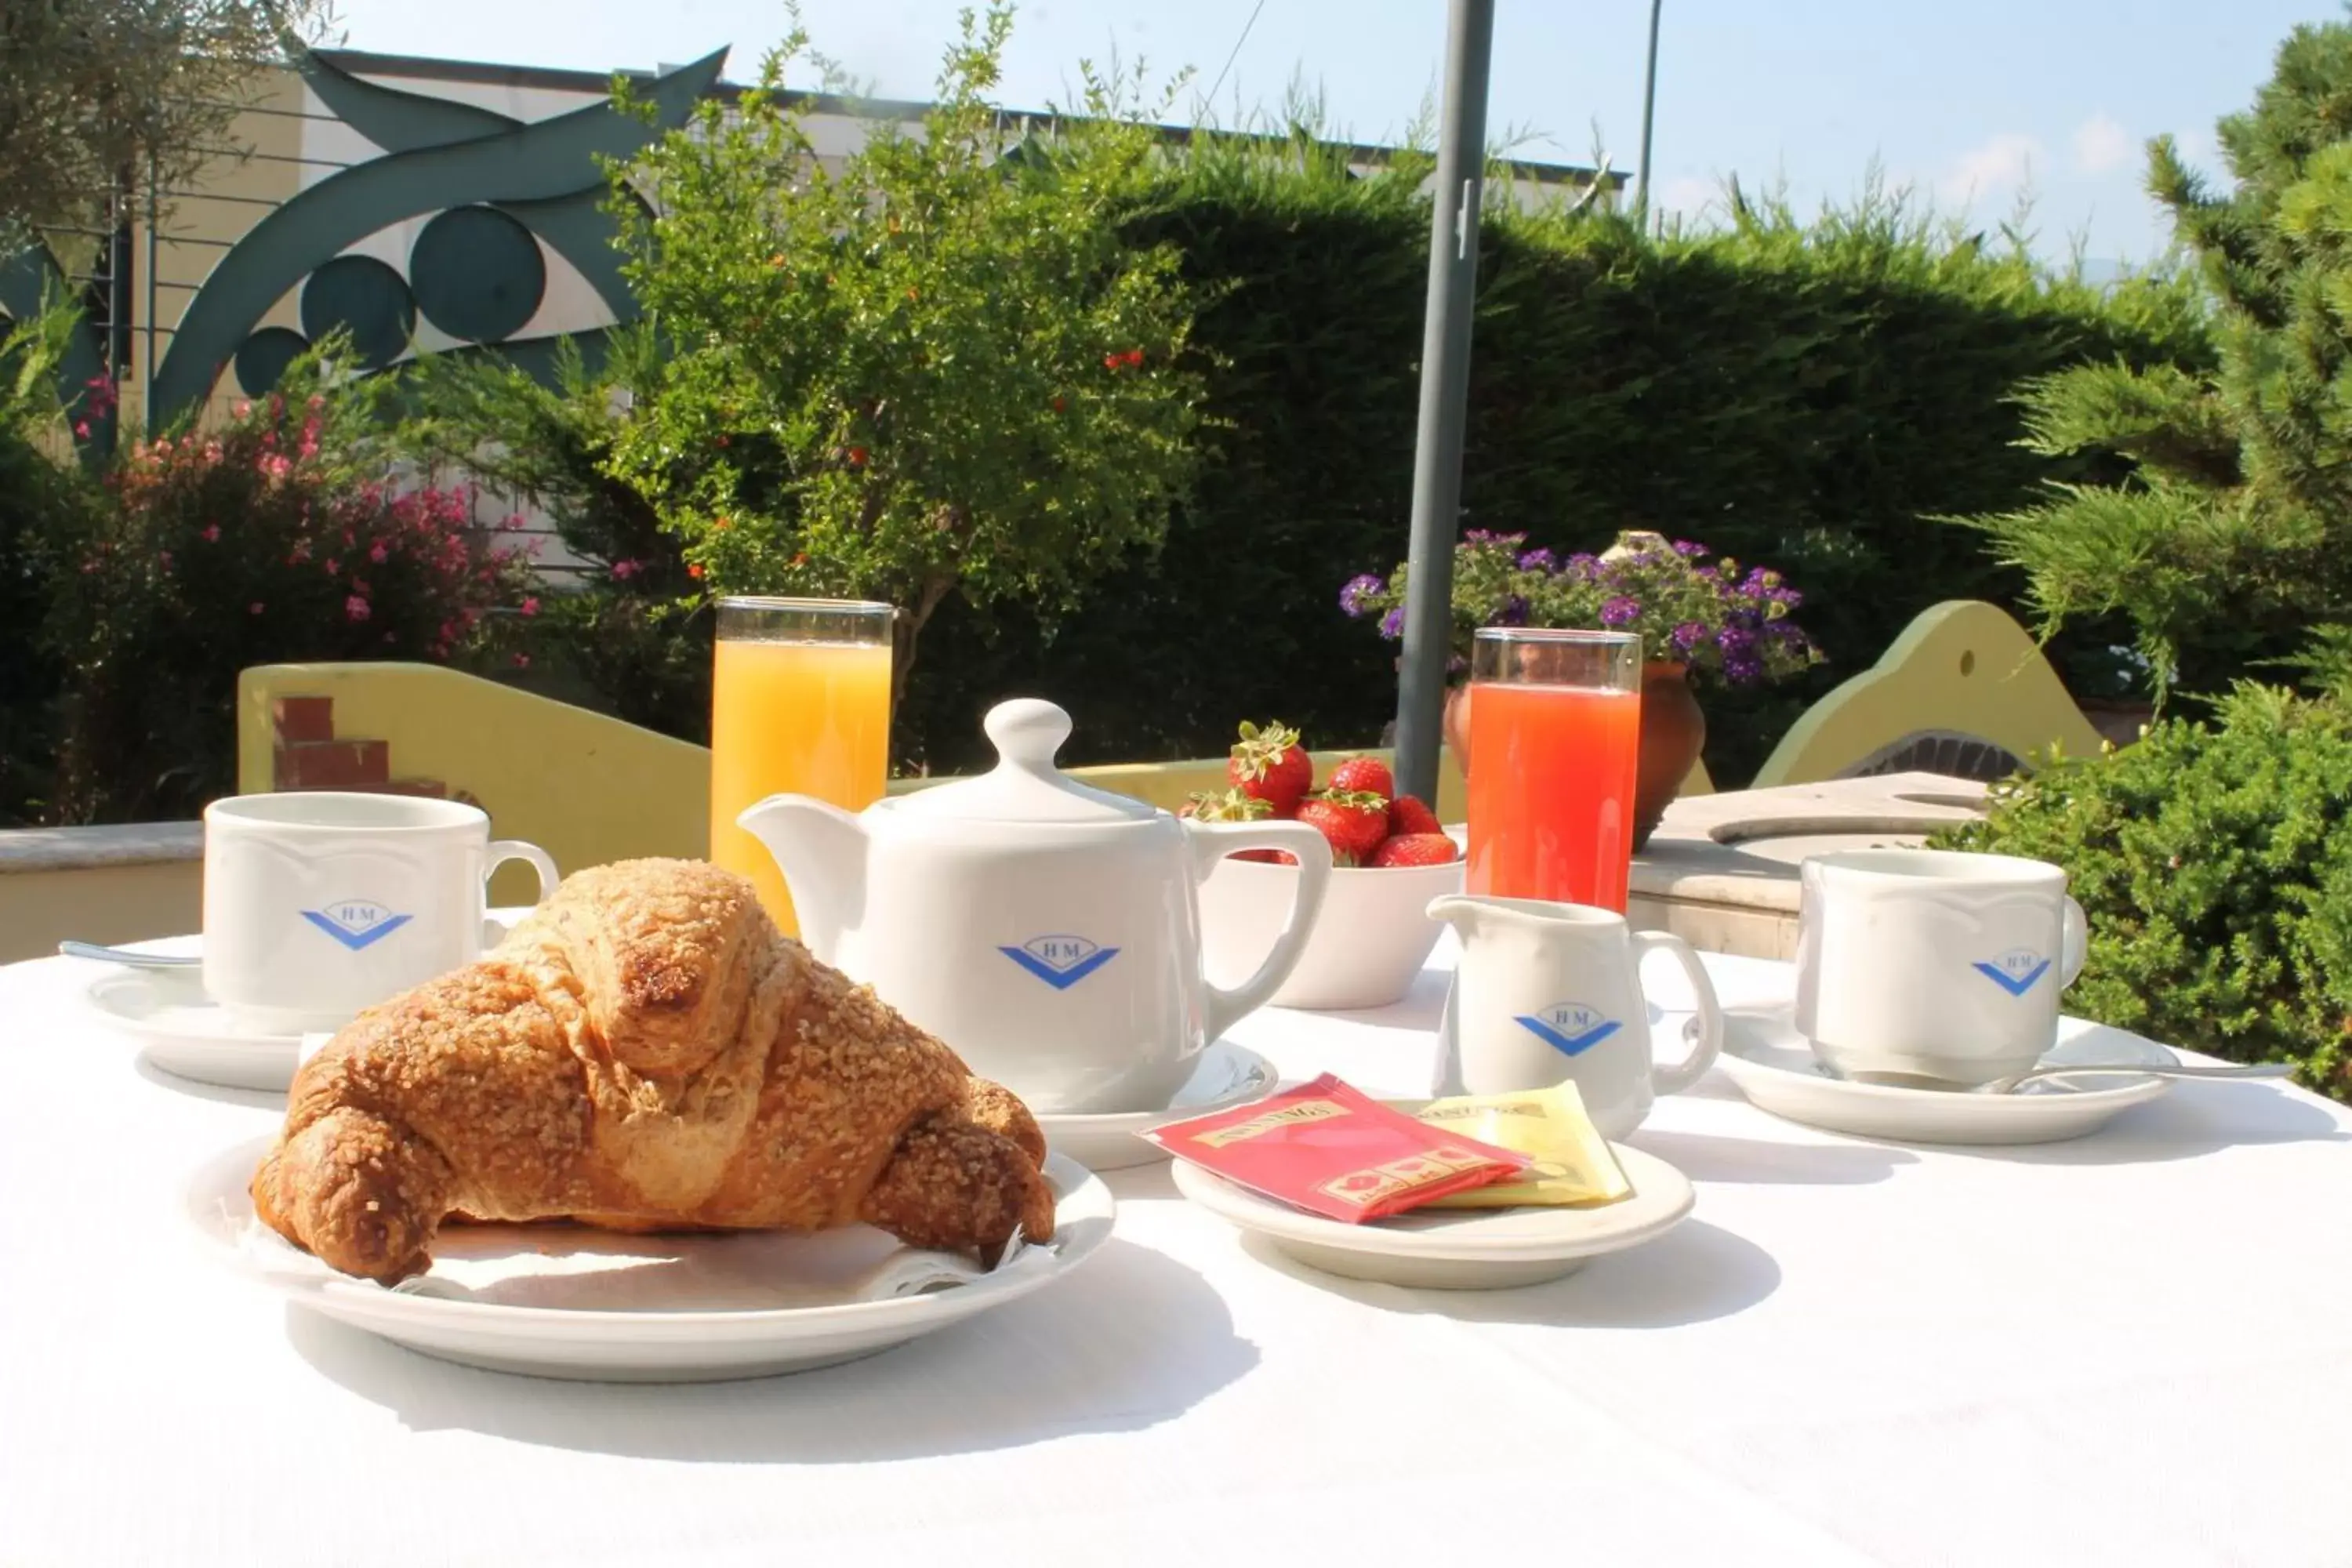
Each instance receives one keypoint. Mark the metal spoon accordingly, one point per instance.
(129, 959)
(2009, 1085)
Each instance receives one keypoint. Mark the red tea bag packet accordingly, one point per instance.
(1331, 1150)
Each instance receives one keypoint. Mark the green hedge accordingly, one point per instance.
(1810, 396)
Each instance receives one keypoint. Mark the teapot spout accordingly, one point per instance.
(820, 849)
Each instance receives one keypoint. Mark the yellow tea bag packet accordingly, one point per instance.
(1573, 1164)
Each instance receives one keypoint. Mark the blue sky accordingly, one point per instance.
(1967, 104)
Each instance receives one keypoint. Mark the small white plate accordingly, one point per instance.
(1226, 1075)
(1775, 1067)
(185, 1033)
(601, 1307)
(1457, 1249)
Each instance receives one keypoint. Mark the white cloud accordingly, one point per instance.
(2102, 145)
(2003, 163)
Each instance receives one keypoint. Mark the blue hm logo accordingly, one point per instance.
(2015, 971)
(1061, 962)
(356, 922)
(1571, 1028)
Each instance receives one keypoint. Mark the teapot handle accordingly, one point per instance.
(1211, 842)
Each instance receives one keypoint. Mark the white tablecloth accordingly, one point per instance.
(2129, 1349)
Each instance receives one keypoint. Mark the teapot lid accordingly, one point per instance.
(1024, 785)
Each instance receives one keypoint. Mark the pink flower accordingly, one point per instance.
(254, 608)
(376, 552)
(81, 428)
(356, 607)
(211, 534)
(334, 567)
(522, 661)
(530, 604)
(625, 569)
(244, 410)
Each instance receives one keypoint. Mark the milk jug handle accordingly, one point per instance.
(1709, 1020)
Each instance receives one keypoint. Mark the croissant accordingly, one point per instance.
(645, 1051)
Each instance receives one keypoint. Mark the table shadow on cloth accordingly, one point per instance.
(2192, 1121)
(1717, 1157)
(1693, 1273)
(1051, 1370)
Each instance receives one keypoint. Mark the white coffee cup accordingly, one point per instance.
(318, 904)
(1548, 992)
(1933, 964)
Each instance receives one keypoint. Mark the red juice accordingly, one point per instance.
(1551, 791)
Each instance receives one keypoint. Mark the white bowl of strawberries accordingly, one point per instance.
(1389, 856)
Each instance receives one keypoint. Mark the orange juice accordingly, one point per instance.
(793, 717)
(1551, 791)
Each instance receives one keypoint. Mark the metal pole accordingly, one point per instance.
(1649, 109)
(1445, 393)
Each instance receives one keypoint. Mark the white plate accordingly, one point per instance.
(1226, 1075)
(1457, 1249)
(1776, 1070)
(599, 1306)
(182, 1031)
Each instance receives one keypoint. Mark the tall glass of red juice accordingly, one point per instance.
(1555, 743)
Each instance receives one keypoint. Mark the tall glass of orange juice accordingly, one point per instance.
(1555, 742)
(800, 704)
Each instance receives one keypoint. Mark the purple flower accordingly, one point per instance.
(1736, 642)
(1689, 634)
(1514, 612)
(1538, 561)
(1488, 536)
(1584, 565)
(1742, 670)
(1685, 547)
(1619, 611)
(1352, 597)
(1392, 624)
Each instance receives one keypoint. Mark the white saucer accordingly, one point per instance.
(1776, 1070)
(1226, 1075)
(184, 1032)
(1457, 1249)
(602, 1307)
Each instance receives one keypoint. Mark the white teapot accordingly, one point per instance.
(1048, 931)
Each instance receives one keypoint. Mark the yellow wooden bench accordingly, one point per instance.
(1965, 691)
(587, 787)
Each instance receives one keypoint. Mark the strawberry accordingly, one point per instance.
(1415, 849)
(1362, 775)
(1354, 821)
(1407, 814)
(1270, 765)
(1268, 857)
(1233, 805)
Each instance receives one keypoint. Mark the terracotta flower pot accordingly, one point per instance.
(1673, 732)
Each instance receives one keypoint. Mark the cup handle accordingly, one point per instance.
(1691, 1069)
(1211, 842)
(2073, 943)
(505, 849)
